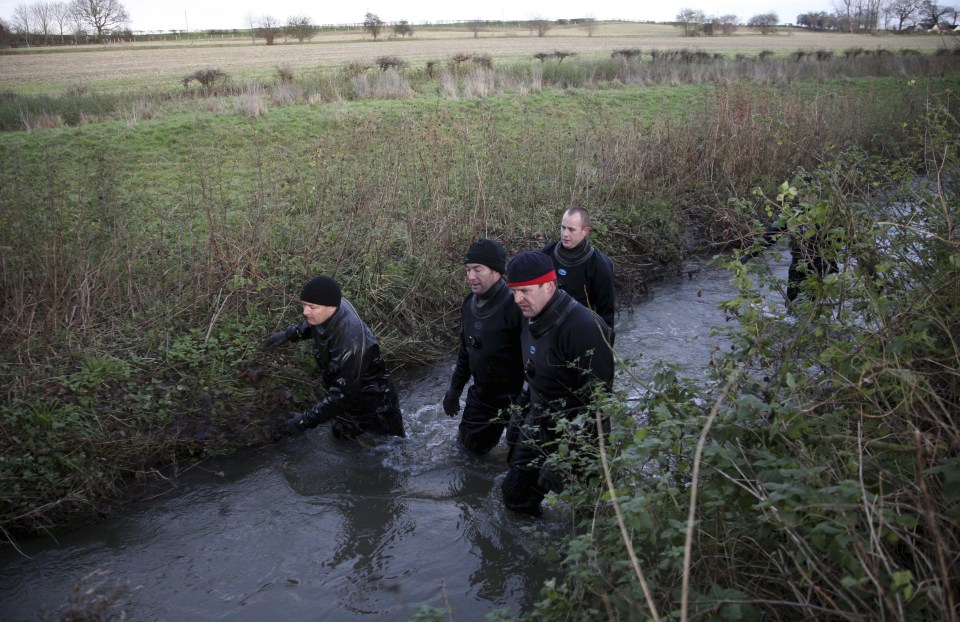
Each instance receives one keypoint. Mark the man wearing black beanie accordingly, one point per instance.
(567, 355)
(360, 395)
(489, 350)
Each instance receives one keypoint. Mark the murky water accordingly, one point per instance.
(315, 529)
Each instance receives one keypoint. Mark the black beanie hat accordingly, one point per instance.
(321, 290)
(530, 268)
(489, 253)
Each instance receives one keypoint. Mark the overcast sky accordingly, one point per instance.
(228, 14)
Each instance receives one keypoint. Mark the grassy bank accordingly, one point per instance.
(144, 262)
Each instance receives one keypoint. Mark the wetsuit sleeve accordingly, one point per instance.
(601, 290)
(461, 371)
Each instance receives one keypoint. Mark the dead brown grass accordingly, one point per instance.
(134, 66)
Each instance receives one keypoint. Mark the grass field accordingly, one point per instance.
(158, 65)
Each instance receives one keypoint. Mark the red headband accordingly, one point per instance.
(546, 278)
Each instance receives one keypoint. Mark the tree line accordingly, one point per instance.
(848, 16)
(45, 22)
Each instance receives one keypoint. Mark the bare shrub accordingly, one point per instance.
(391, 85)
(356, 68)
(479, 82)
(40, 120)
(627, 54)
(250, 103)
(285, 73)
(285, 94)
(390, 62)
(206, 78)
(483, 60)
(449, 85)
(361, 85)
(138, 110)
(77, 90)
(459, 58)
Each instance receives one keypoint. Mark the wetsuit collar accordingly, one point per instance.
(576, 255)
(552, 314)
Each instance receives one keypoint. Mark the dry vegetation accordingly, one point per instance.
(154, 64)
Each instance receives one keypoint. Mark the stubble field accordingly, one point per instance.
(162, 65)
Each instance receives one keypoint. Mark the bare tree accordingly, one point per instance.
(766, 23)
(902, 12)
(300, 28)
(476, 27)
(933, 12)
(403, 29)
(102, 16)
(60, 13)
(268, 28)
(5, 33)
(23, 22)
(541, 25)
(251, 22)
(691, 21)
(42, 19)
(590, 25)
(373, 24)
(728, 24)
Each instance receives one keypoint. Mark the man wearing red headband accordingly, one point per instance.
(566, 356)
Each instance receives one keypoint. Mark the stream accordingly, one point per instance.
(315, 529)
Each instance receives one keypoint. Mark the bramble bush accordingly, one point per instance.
(816, 472)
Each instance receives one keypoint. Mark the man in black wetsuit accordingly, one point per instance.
(489, 350)
(566, 357)
(582, 271)
(360, 395)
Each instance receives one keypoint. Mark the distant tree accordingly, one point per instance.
(590, 25)
(859, 15)
(933, 13)
(251, 22)
(102, 16)
(60, 12)
(403, 29)
(300, 28)
(902, 12)
(5, 33)
(43, 19)
(817, 21)
(541, 25)
(268, 28)
(691, 21)
(23, 22)
(766, 23)
(475, 26)
(373, 24)
(727, 24)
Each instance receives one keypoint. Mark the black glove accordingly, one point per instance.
(451, 401)
(276, 339)
(295, 424)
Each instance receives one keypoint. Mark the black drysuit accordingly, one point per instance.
(566, 357)
(586, 274)
(490, 352)
(360, 395)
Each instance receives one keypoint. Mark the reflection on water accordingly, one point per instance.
(318, 529)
